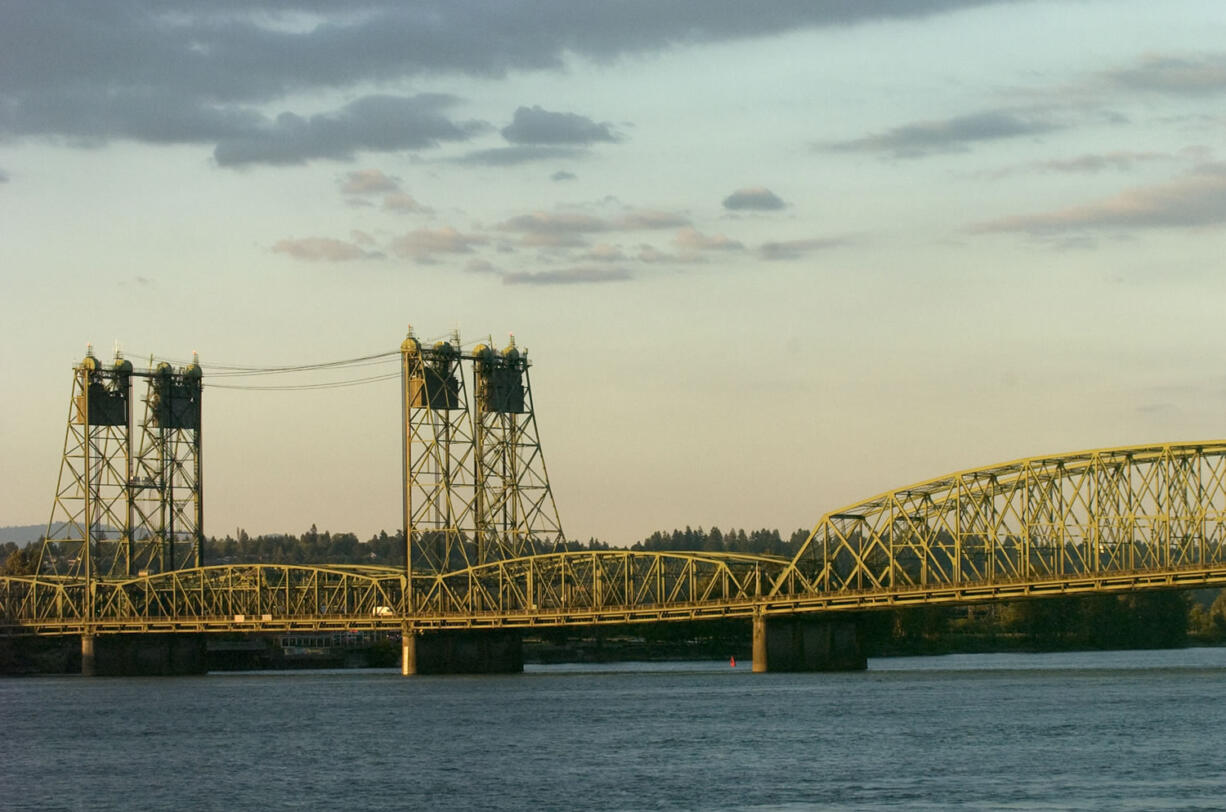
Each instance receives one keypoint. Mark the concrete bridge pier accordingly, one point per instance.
(143, 655)
(806, 644)
(89, 663)
(498, 651)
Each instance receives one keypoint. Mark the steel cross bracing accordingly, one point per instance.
(90, 507)
(543, 590)
(518, 513)
(117, 512)
(167, 491)
(476, 487)
(440, 459)
(1094, 514)
(1118, 519)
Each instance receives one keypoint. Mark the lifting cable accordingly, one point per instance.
(345, 365)
(233, 370)
(296, 387)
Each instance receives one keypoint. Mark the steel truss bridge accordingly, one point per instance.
(124, 550)
(1109, 520)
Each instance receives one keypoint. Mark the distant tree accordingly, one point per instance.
(1217, 616)
(19, 561)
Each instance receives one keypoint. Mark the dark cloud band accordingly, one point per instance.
(948, 135)
(189, 72)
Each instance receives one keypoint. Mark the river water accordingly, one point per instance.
(1105, 730)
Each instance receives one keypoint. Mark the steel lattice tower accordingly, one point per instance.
(475, 485)
(517, 512)
(168, 489)
(439, 493)
(116, 514)
(89, 532)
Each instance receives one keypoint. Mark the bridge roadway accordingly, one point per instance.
(1109, 520)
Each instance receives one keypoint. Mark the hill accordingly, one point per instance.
(22, 533)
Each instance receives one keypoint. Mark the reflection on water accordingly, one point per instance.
(1098, 730)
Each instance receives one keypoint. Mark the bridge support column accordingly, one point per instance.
(89, 662)
(143, 655)
(462, 652)
(759, 643)
(806, 644)
(408, 651)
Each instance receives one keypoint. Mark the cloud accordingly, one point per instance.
(374, 123)
(544, 228)
(691, 239)
(652, 255)
(1092, 163)
(1196, 199)
(423, 244)
(1088, 163)
(401, 202)
(604, 252)
(1189, 76)
(567, 276)
(540, 221)
(512, 156)
(187, 72)
(534, 125)
(754, 198)
(562, 229)
(369, 182)
(481, 266)
(948, 135)
(323, 249)
(561, 175)
(796, 249)
(648, 219)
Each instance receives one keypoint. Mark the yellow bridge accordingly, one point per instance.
(485, 553)
(1120, 519)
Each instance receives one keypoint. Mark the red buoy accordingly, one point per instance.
(732, 662)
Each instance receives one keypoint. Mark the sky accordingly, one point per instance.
(767, 259)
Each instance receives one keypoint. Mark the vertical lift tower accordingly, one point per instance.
(475, 485)
(128, 503)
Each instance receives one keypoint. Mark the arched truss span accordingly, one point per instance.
(241, 597)
(1111, 519)
(608, 585)
(551, 589)
(1077, 518)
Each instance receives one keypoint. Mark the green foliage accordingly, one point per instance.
(1208, 623)
(757, 542)
(1139, 620)
(316, 547)
(312, 547)
(18, 560)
